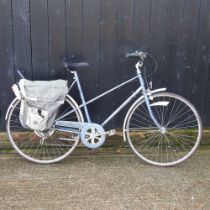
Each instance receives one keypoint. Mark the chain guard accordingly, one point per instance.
(93, 136)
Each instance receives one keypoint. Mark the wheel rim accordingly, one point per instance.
(178, 137)
(42, 147)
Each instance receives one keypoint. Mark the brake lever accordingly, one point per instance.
(142, 55)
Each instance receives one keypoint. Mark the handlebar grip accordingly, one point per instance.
(132, 55)
(137, 54)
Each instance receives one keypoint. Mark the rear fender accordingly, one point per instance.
(76, 106)
(11, 106)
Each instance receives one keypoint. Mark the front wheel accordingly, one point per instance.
(180, 132)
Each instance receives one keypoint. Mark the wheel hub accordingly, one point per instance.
(44, 134)
(163, 130)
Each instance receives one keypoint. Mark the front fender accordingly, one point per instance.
(156, 91)
(150, 93)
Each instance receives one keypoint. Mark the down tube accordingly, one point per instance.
(121, 106)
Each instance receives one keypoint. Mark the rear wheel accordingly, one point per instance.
(45, 147)
(180, 132)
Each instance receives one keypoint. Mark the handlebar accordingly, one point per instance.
(136, 54)
(142, 56)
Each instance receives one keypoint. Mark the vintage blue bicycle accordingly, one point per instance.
(161, 128)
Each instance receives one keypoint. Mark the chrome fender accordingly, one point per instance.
(10, 107)
(150, 93)
(76, 106)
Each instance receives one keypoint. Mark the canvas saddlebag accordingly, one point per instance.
(40, 102)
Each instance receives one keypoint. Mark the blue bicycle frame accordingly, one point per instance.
(84, 103)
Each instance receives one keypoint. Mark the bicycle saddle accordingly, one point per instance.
(74, 66)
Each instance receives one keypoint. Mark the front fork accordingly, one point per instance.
(144, 92)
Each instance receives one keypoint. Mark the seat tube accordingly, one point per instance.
(147, 101)
(82, 96)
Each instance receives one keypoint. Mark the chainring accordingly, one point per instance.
(93, 136)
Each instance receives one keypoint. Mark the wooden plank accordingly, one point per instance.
(74, 35)
(125, 21)
(91, 21)
(141, 24)
(125, 43)
(6, 58)
(22, 37)
(188, 45)
(107, 43)
(91, 51)
(40, 39)
(137, 28)
(56, 11)
(107, 68)
(173, 51)
(125, 38)
(141, 31)
(158, 38)
(201, 86)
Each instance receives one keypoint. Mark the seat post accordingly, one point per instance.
(81, 95)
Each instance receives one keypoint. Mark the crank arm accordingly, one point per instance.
(110, 133)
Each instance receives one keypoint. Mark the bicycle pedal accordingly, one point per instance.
(111, 132)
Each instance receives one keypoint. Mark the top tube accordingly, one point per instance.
(99, 96)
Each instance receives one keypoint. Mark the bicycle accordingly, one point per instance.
(161, 128)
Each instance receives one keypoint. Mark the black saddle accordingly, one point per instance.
(74, 66)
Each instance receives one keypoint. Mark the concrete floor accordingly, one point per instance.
(105, 181)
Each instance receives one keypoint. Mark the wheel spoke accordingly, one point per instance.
(164, 147)
(56, 144)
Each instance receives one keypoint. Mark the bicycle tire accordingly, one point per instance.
(27, 142)
(151, 144)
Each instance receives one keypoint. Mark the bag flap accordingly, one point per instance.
(49, 91)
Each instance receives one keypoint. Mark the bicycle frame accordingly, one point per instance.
(166, 143)
(136, 92)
